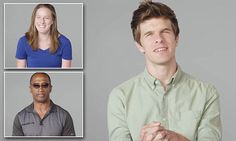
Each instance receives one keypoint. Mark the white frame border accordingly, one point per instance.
(51, 137)
(82, 48)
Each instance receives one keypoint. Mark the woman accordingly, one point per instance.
(43, 46)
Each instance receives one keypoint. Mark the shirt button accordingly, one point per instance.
(164, 119)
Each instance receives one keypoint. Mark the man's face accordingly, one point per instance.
(158, 41)
(40, 88)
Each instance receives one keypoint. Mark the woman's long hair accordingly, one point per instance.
(32, 34)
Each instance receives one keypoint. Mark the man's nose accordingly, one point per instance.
(158, 38)
(41, 88)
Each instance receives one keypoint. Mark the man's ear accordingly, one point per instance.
(30, 89)
(177, 40)
(50, 88)
(140, 47)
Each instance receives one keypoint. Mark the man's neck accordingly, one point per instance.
(162, 72)
(42, 108)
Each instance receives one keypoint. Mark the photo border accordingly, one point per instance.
(51, 137)
(82, 40)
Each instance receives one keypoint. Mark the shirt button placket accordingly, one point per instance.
(164, 119)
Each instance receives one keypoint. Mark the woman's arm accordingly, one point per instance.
(66, 63)
(20, 63)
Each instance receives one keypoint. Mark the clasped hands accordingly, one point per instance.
(155, 132)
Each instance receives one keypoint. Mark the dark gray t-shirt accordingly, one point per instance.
(56, 122)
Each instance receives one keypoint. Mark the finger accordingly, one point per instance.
(168, 136)
(142, 136)
(153, 124)
(148, 131)
(165, 139)
(160, 135)
(149, 137)
(152, 129)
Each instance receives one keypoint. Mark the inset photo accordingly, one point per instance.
(43, 35)
(43, 104)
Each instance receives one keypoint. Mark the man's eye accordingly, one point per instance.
(45, 85)
(148, 34)
(166, 31)
(36, 85)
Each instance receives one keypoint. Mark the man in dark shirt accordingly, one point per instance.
(42, 117)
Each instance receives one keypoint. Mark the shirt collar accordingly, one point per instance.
(153, 82)
(52, 108)
(175, 79)
(149, 78)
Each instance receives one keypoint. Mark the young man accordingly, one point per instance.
(42, 117)
(163, 103)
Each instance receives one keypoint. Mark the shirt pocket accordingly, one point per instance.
(186, 123)
(189, 115)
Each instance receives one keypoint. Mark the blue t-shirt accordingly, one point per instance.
(43, 58)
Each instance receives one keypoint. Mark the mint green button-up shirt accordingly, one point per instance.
(188, 106)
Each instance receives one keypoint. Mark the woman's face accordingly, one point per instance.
(43, 20)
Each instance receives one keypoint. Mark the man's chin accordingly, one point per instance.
(41, 101)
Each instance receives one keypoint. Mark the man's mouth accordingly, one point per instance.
(40, 95)
(161, 49)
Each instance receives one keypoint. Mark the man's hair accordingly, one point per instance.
(43, 73)
(148, 10)
(32, 34)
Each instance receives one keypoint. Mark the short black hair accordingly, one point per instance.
(40, 73)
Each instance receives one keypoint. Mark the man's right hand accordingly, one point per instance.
(153, 132)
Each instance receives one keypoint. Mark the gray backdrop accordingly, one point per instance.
(66, 92)
(69, 19)
(206, 50)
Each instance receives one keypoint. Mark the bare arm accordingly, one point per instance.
(66, 63)
(20, 63)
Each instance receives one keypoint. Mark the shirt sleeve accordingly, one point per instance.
(210, 128)
(17, 129)
(20, 51)
(117, 125)
(67, 50)
(68, 129)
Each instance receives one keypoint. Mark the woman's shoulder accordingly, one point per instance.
(64, 41)
(23, 41)
(23, 38)
(63, 38)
